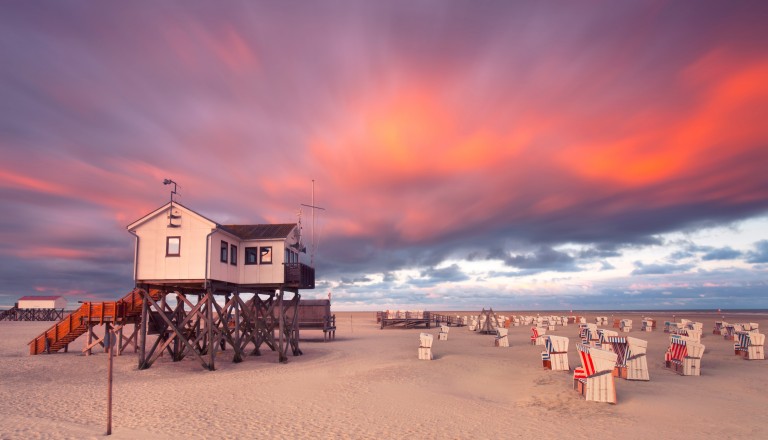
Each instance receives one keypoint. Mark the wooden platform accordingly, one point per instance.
(449, 320)
(425, 321)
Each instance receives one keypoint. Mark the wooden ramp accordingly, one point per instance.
(72, 326)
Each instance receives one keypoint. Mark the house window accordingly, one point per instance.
(233, 255)
(266, 255)
(251, 255)
(224, 249)
(172, 246)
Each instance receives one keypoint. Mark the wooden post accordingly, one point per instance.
(110, 337)
(89, 338)
(143, 331)
(280, 333)
(209, 328)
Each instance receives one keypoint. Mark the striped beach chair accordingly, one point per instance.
(555, 357)
(648, 325)
(536, 335)
(594, 379)
(631, 361)
(602, 334)
(684, 356)
(750, 345)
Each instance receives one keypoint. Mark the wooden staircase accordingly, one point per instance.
(124, 310)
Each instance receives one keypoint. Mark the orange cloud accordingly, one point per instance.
(721, 121)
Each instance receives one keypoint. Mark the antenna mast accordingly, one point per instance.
(313, 207)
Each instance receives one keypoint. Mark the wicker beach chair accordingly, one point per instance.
(501, 337)
(555, 357)
(684, 355)
(750, 345)
(425, 346)
(594, 380)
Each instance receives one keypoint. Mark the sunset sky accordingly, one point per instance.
(519, 155)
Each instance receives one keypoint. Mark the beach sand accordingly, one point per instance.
(369, 383)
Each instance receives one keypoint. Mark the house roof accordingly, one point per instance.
(244, 232)
(163, 208)
(255, 232)
(39, 298)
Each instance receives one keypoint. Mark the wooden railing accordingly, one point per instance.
(89, 313)
(299, 275)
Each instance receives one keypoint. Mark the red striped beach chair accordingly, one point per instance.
(536, 335)
(555, 357)
(594, 379)
(684, 356)
(750, 345)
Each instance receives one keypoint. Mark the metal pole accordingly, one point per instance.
(110, 340)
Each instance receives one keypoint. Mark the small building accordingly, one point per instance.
(177, 246)
(42, 302)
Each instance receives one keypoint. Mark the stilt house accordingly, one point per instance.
(177, 246)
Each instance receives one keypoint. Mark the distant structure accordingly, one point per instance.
(42, 302)
(201, 286)
(36, 308)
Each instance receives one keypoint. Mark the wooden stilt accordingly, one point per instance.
(143, 331)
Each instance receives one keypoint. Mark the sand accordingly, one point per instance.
(369, 383)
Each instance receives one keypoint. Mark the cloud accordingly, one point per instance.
(425, 150)
(760, 254)
(544, 258)
(659, 269)
(726, 253)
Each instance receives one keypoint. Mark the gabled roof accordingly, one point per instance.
(39, 298)
(244, 232)
(255, 232)
(162, 209)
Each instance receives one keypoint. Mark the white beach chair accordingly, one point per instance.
(594, 380)
(536, 335)
(750, 345)
(631, 361)
(555, 357)
(443, 335)
(684, 355)
(625, 325)
(425, 346)
(501, 337)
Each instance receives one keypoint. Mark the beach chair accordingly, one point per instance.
(594, 379)
(616, 323)
(750, 345)
(536, 334)
(647, 325)
(501, 337)
(443, 335)
(425, 346)
(555, 357)
(602, 334)
(631, 361)
(684, 356)
(588, 333)
(625, 325)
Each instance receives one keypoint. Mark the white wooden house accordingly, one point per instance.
(42, 302)
(177, 246)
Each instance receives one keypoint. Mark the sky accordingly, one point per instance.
(515, 155)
